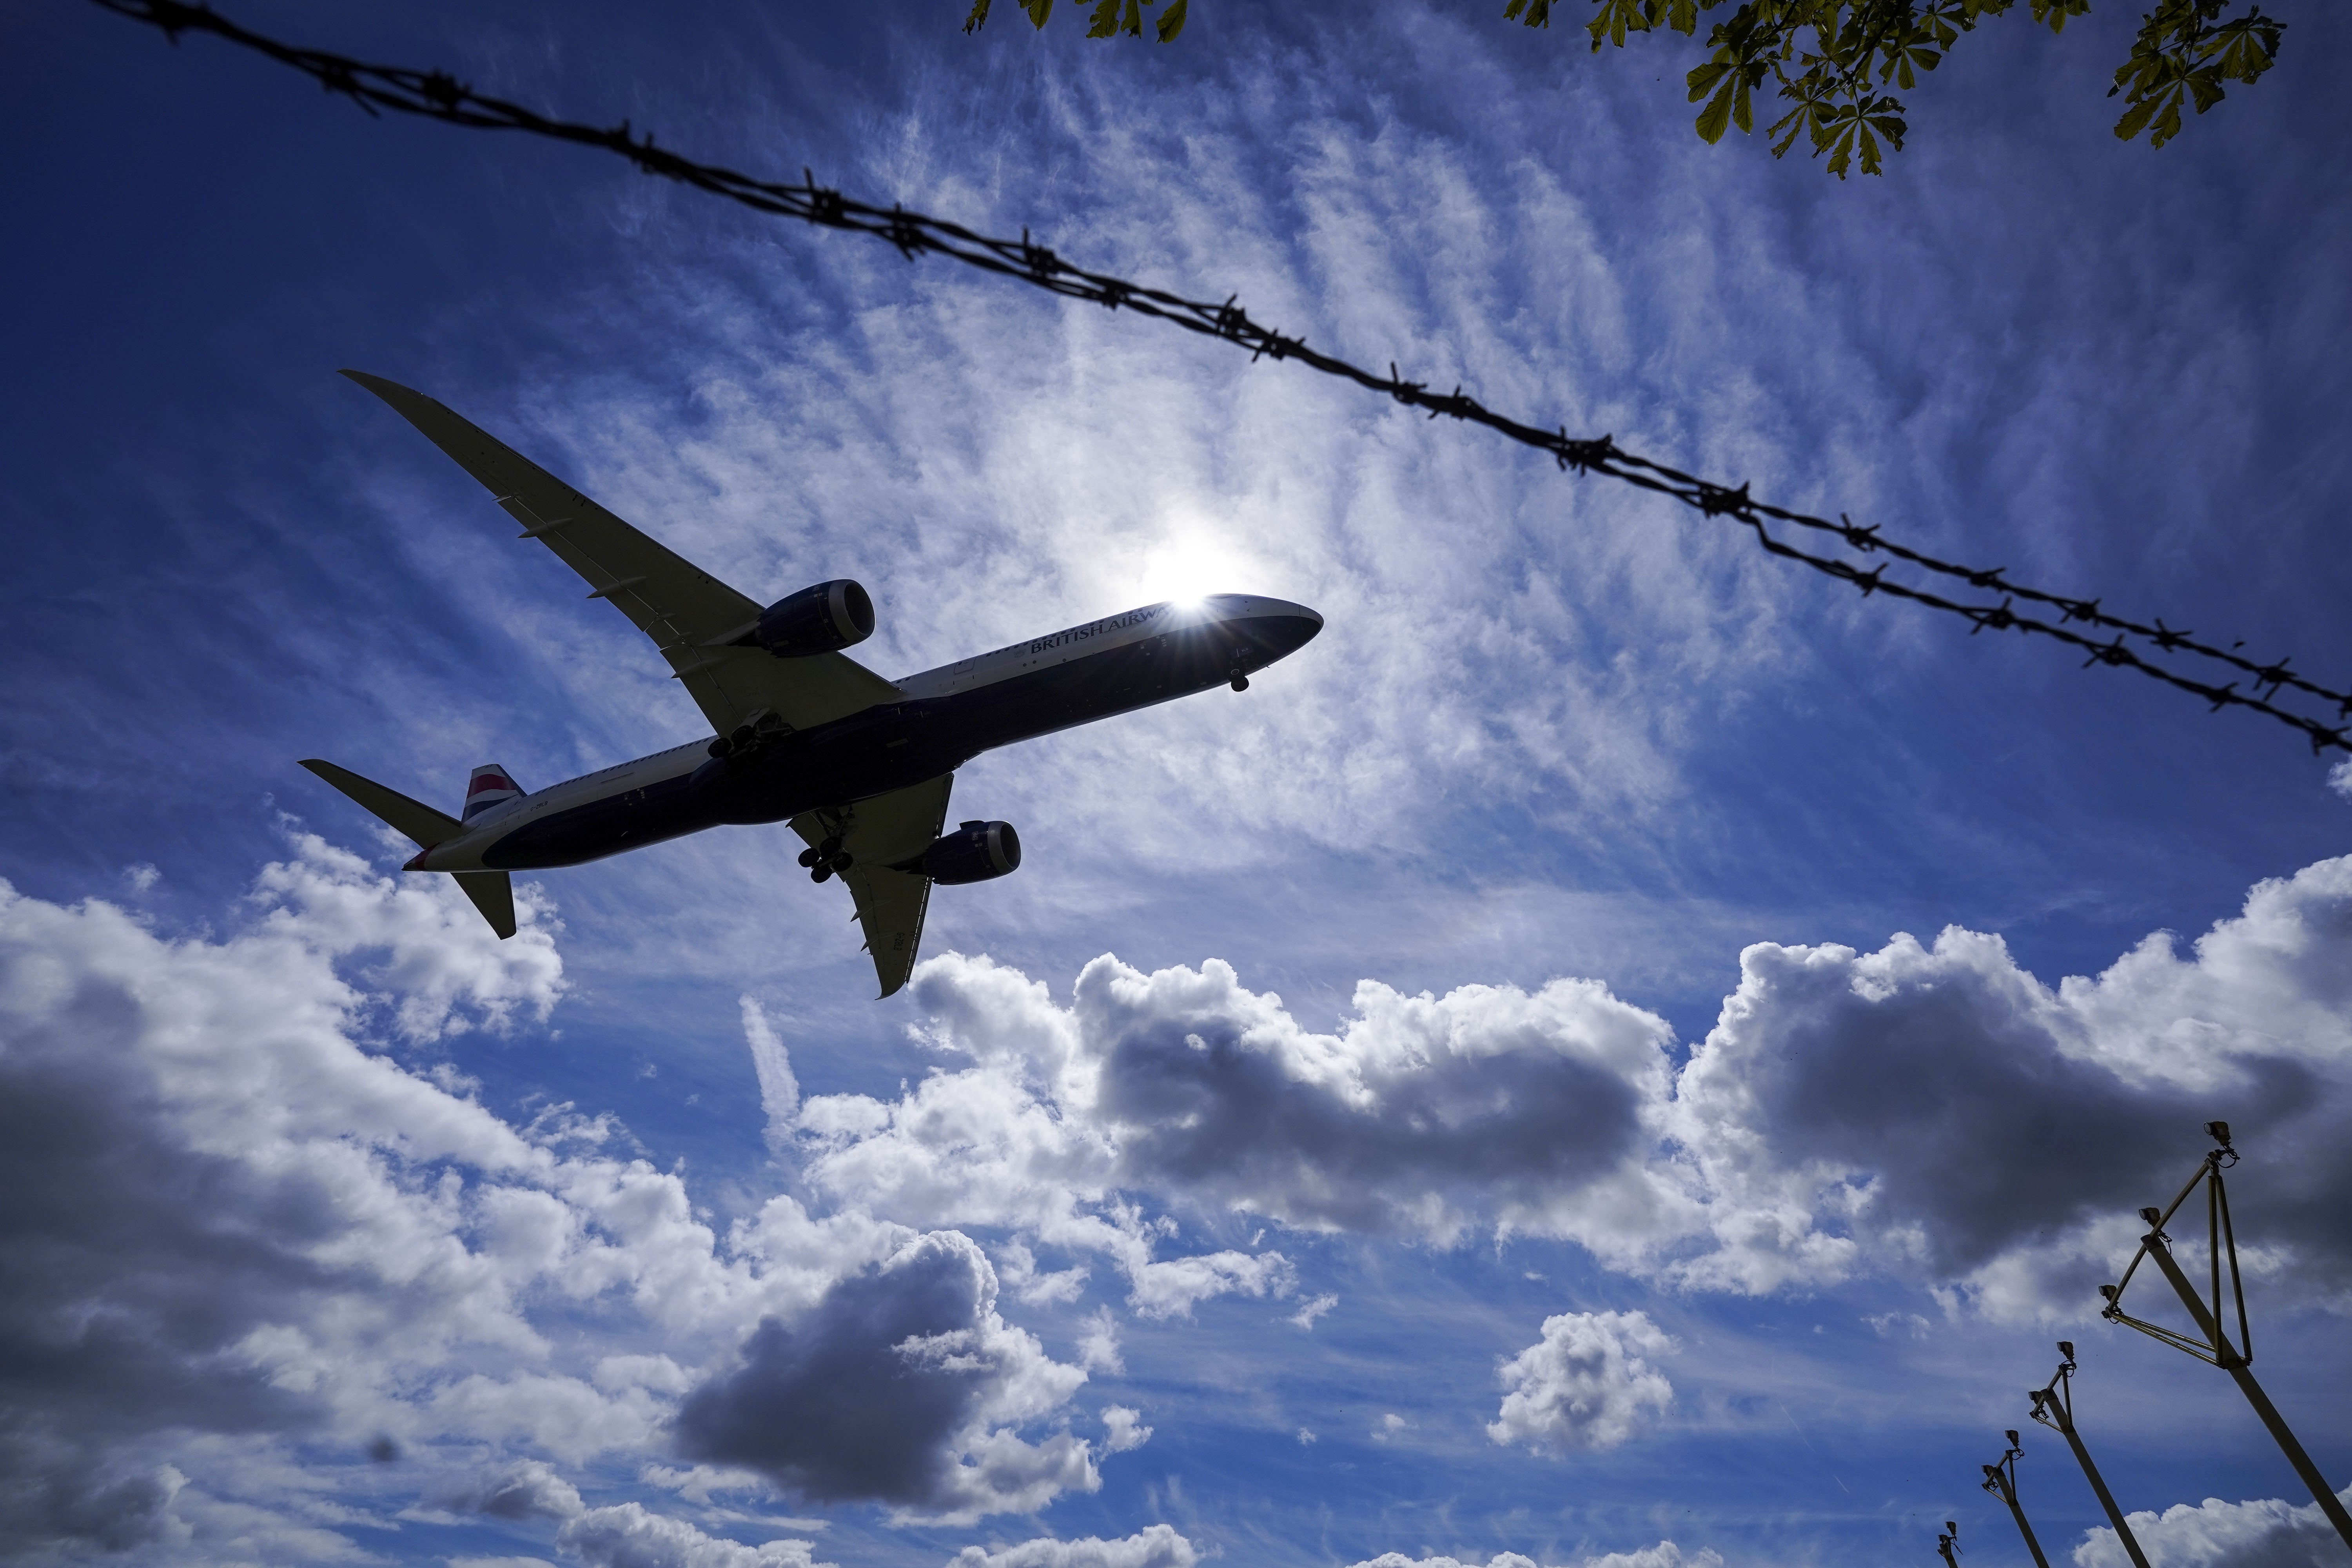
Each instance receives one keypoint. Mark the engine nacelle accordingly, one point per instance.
(975, 852)
(823, 619)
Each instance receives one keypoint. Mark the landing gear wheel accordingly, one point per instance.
(1241, 682)
(722, 747)
(821, 874)
(810, 856)
(840, 862)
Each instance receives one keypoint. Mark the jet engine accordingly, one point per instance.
(822, 619)
(975, 852)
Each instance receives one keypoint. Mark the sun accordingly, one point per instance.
(1190, 565)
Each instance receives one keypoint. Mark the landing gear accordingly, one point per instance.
(823, 860)
(1240, 681)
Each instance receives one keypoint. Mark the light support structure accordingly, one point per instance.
(2000, 1480)
(1947, 1543)
(2053, 1406)
(2210, 1343)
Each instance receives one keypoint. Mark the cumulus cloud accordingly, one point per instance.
(1939, 1110)
(234, 1227)
(2270, 1534)
(1157, 1546)
(1931, 1109)
(1419, 1117)
(1665, 1554)
(1584, 1384)
(902, 1384)
(622, 1535)
(627, 1535)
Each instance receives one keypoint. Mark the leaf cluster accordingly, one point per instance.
(1106, 18)
(2185, 50)
(1832, 62)
(1836, 64)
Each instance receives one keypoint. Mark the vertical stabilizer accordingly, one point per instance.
(490, 787)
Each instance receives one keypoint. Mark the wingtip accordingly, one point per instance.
(383, 386)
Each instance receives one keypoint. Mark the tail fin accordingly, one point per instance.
(490, 785)
(491, 892)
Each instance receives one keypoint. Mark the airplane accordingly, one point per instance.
(860, 765)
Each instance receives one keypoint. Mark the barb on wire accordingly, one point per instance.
(437, 95)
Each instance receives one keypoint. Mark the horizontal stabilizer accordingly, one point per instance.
(493, 894)
(492, 891)
(414, 818)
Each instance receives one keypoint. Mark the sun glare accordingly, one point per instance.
(1189, 567)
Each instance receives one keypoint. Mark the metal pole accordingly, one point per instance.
(2053, 1410)
(2002, 1480)
(1947, 1541)
(2226, 1356)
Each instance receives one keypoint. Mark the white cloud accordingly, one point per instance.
(904, 1386)
(1305, 1317)
(1933, 1111)
(2270, 1533)
(627, 1535)
(232, 1226)
(1939, 1111)
(1665, 1554)
(1156, 1546)
(1584, 1384)
(1422, 1116)
(1126, 1428)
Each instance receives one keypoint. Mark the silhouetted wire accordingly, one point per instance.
(440, 96)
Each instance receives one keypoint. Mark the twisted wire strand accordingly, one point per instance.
(437, 95)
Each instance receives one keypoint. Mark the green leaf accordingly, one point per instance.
(1106, 20)
(1717, 116)
(2135, 120)
(1038, 11)
(1702, 80)
(979, 18)
(1172, 20)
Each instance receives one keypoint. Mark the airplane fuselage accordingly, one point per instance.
(942, 719)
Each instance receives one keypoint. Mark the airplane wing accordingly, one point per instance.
(878, 833)
(690, 614)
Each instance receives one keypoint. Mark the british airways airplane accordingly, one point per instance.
(860, 766)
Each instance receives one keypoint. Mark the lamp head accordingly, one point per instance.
(2153, 1216)
(2218, 1132)
(2067, 1349)
(2011, 1435)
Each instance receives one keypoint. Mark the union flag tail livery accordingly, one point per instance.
(491, 786)
(860, 765)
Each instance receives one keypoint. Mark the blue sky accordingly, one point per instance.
(1583, 823)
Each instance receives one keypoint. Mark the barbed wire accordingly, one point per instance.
(437, 95)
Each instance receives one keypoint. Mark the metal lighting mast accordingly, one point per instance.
(2053, 1406)
(2001, 1481)
(1947, 1543)
(2209, 1344)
